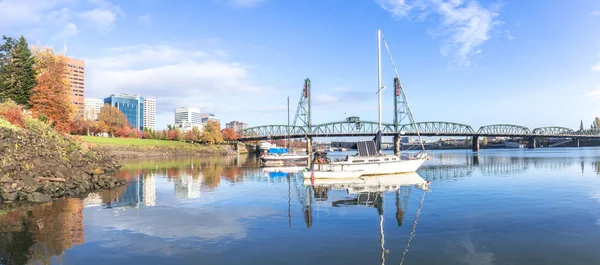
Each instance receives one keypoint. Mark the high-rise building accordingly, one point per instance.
(209, 117)
(187, 115)
(150, 113)
(131, 105)
(188, 118)
(76, 78)
(236, 126)
(91, 108)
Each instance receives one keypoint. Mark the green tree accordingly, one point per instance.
(17, 75)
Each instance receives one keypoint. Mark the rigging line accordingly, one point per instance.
(382, 240)
(402, 91)
(414, 226)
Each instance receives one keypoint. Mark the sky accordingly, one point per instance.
(532, 63)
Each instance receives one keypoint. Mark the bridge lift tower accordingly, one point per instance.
(303, 117)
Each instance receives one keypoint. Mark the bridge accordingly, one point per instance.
(403, 125)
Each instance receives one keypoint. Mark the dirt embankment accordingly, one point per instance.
(39, 166)
(132, 151)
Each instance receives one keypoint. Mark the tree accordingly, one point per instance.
(114, 119)
(123, 132)
(17, 75)
(212, 133)
(78, 126)
(147, 135)
(50, 97)
(229, 134)
(189, 136)
(135, 133)
(174, 135)
(197, 133)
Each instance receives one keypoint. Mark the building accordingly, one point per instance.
(236, 126)
(187, 115)
(131, 105)
(150, 113)
(91, 108)
(188, 118)
(209, 117)
(76, 78)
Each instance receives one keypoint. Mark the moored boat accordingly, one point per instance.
(279, 156)
(370, 160)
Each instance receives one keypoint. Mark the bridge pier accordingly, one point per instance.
(397, 145)
(577, 142)
(531, 142)
(475, 143)
(309, 151)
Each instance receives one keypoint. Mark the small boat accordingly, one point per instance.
(513, 145)
(265, 146)
(279, 156)
(370, 161)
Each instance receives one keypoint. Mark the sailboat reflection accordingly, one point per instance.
(369, 193)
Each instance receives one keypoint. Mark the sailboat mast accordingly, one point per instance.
(379, 74)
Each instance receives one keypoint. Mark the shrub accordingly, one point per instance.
(12, 113)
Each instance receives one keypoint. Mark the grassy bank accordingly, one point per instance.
(132, 141)
(130, 147)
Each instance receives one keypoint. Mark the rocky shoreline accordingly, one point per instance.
(40, 166)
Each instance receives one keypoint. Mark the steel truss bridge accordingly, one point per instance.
(433, 128)
(403, 125)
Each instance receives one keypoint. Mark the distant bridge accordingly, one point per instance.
(302, 126)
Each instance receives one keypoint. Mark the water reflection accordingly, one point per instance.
(36, 234)
(179, 210)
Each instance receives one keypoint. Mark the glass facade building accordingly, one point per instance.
(131, 105)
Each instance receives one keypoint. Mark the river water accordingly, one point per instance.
(496, 207)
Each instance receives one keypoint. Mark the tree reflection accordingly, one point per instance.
(36, 234)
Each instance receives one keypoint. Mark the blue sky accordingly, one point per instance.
(533, 63)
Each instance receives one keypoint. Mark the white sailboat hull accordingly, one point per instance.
(351, 169)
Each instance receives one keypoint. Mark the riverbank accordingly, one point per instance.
(39, 164)
(122, 148)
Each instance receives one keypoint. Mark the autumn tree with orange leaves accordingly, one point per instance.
(229, 134)
(113, 118)
(50, 97)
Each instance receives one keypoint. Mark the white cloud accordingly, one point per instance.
(595, 93)
(69, 30)
(55, 18)
(596, 13)
(509, 35)
(17, 12)
(145, 20)
(174, 76)
(596, 67)
(245, 3)
(464, 25)
(101, 19)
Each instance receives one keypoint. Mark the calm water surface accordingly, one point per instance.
(497, 207)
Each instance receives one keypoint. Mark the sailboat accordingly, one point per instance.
(369, 160)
